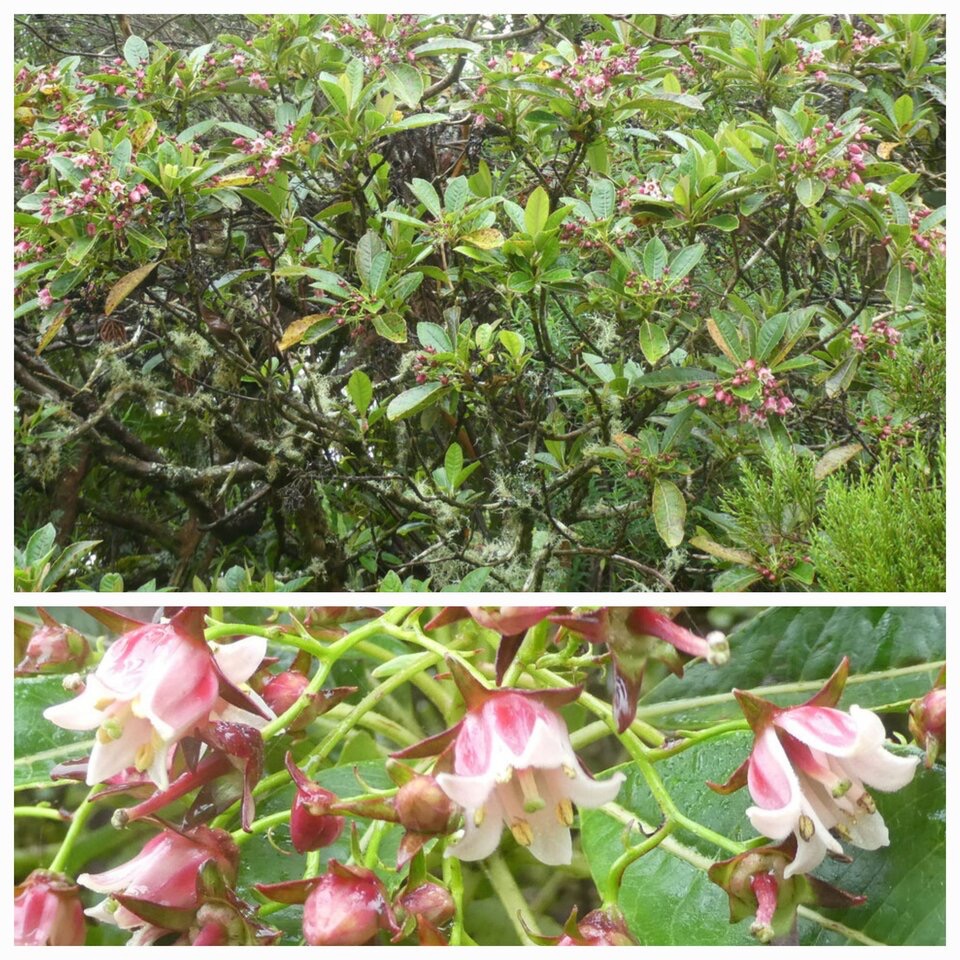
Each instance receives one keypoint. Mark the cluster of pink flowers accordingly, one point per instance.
(809, 156)
(772, 398)
(425, 368)
(637, 189)
(880, 335)
(863, 41)
(682, 292)
(808, 59)
(594, 71)
(268, 150)
(139, 79)
(935, 238)
(378, 51)
(884, 430)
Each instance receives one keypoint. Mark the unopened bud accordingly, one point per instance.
(430, 901)
(311, 827)
(423, 807)
(346, 908)
(928, 723)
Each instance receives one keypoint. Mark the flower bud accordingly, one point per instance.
(430, 901)
(53, 648)
(281, 692)
(311, 828)
(423, 807)
(47, 912)
(928, 723)
(600, 928)
(346, 908)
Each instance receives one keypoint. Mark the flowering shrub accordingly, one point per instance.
(341, 302)
(484, 775)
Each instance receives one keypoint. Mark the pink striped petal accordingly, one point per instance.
(821, 728)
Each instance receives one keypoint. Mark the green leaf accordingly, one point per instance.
(727, 222)
(38, 745)
(433, 335)
(810, 190)
(360, 391)
(40, 545)
(899, 285)
(669, 511)
(791, 644)
(404, 82)
(654, 258)
(111, 583)
(685, 261)
(735, 580)
(675, 377)
(512, 342)
(456, 194)
(368, 246)
(453, 461)
(770, 335)
(603, 199)
(135, 51)
(447, 45)
(414, 400)
(379, 271)
(903, 110)
(425, 192)
(653, 342)
(536, 211)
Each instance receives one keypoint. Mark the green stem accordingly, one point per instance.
(80, 817)
(261, 826)
(453, 881)
(619, 866)
(504, 885)
(39, 813)
(838, 927)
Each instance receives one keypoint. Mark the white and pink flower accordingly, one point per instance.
(809, 772)
(163, 874)
(47, 912)
(155, 685)
(514, 766)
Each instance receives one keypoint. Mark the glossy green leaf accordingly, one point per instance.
(669, 511)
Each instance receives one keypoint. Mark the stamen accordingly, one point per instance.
(569, 771)
(865, 802)
(842, 831)
(144, 757)
(522, 832)
(805, 827)
(505, 775)
(565, 812)
(532, 801)
(478, 816)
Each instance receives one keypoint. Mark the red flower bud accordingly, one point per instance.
(346, 908)
(928, 722)
(53, 648)
(311, 828)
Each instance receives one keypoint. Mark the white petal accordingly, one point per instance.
(231, 714)
(551, 838)
(479, 841)
(810, 854)
(80, 713)
(869, 832)
(775, 824)
(239, 660)
(469, 792)
(548, 746)
(582, 789)
(115, 756)
(873, 764)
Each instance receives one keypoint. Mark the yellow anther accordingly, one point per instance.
(569, 771)
(841, 788)
(522, 832)
(505, 775)
(806, 827)
(144, 757)
(865, 803)
(109, 730)
(478, 816)
(565, 812)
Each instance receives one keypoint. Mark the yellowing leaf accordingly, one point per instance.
(835, 459)
(723, 553)
(236, 181)
(717, 338)
(298, 330)
(126, 285)
(487, 239)
(52, 330)
(886, 148)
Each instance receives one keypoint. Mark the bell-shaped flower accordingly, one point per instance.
(163, 875)
(47, 912)
(311, 827)
(809, 771)
(154, 685)
(513, 765)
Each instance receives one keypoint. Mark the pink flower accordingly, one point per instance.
(154, 685)
(47, 912)
(45, 298)
(163, 874)
(514, 766)
(809, 770)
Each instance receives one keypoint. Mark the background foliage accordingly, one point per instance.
(544, 302)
